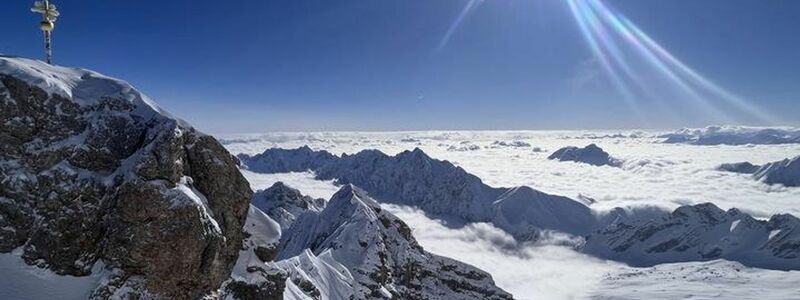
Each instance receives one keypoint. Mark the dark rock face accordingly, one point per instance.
(742, 167)
(100, 175)
(701, 232)
(591, 154)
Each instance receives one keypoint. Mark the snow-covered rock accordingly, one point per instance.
(92, 171)
(785, 172)
(699, 233)
(733, 135)
(440, 188)
(254, 275)
(380, 253)
(591, 154)
(283, 204)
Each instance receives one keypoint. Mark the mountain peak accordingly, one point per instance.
(126, 185)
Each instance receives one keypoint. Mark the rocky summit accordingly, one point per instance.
(92, 173)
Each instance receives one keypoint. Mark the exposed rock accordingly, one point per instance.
(591, 154)
(91, 170)
(742, 167)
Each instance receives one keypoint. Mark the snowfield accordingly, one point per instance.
(653, 174)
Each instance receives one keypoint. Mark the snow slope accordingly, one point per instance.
(21, 281)
(718, 279)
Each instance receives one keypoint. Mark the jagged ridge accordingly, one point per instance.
(438, 187)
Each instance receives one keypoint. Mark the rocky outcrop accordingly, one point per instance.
(381, 253)
(591, 154)
(699, 233)
(91, 171)
(742, 167)
(785, 172)
(440, 188)
(283, 204)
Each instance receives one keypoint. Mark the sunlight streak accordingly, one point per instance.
(611, 35)
(601, 56)
(471, 5)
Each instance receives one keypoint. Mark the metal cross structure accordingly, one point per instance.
(49, 16)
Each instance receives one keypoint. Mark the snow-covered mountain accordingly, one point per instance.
(733, 135)
(699, 233)
(284, 204)
(93, 174)
(437, 187)
(351, 249)
(276, 160)
(380, 253)
(591, 154)
(785, 172)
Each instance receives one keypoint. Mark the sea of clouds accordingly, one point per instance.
(654, 174)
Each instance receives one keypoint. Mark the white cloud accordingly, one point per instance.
(655, 174)
(527, 271)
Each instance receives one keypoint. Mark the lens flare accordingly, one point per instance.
(611, 37)
(600, 54)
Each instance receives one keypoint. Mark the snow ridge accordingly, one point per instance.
(437, 187)
(285, 204)
(700, 233)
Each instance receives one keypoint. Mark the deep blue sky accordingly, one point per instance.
(254, 66)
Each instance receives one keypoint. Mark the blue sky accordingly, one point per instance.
(255, 66)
